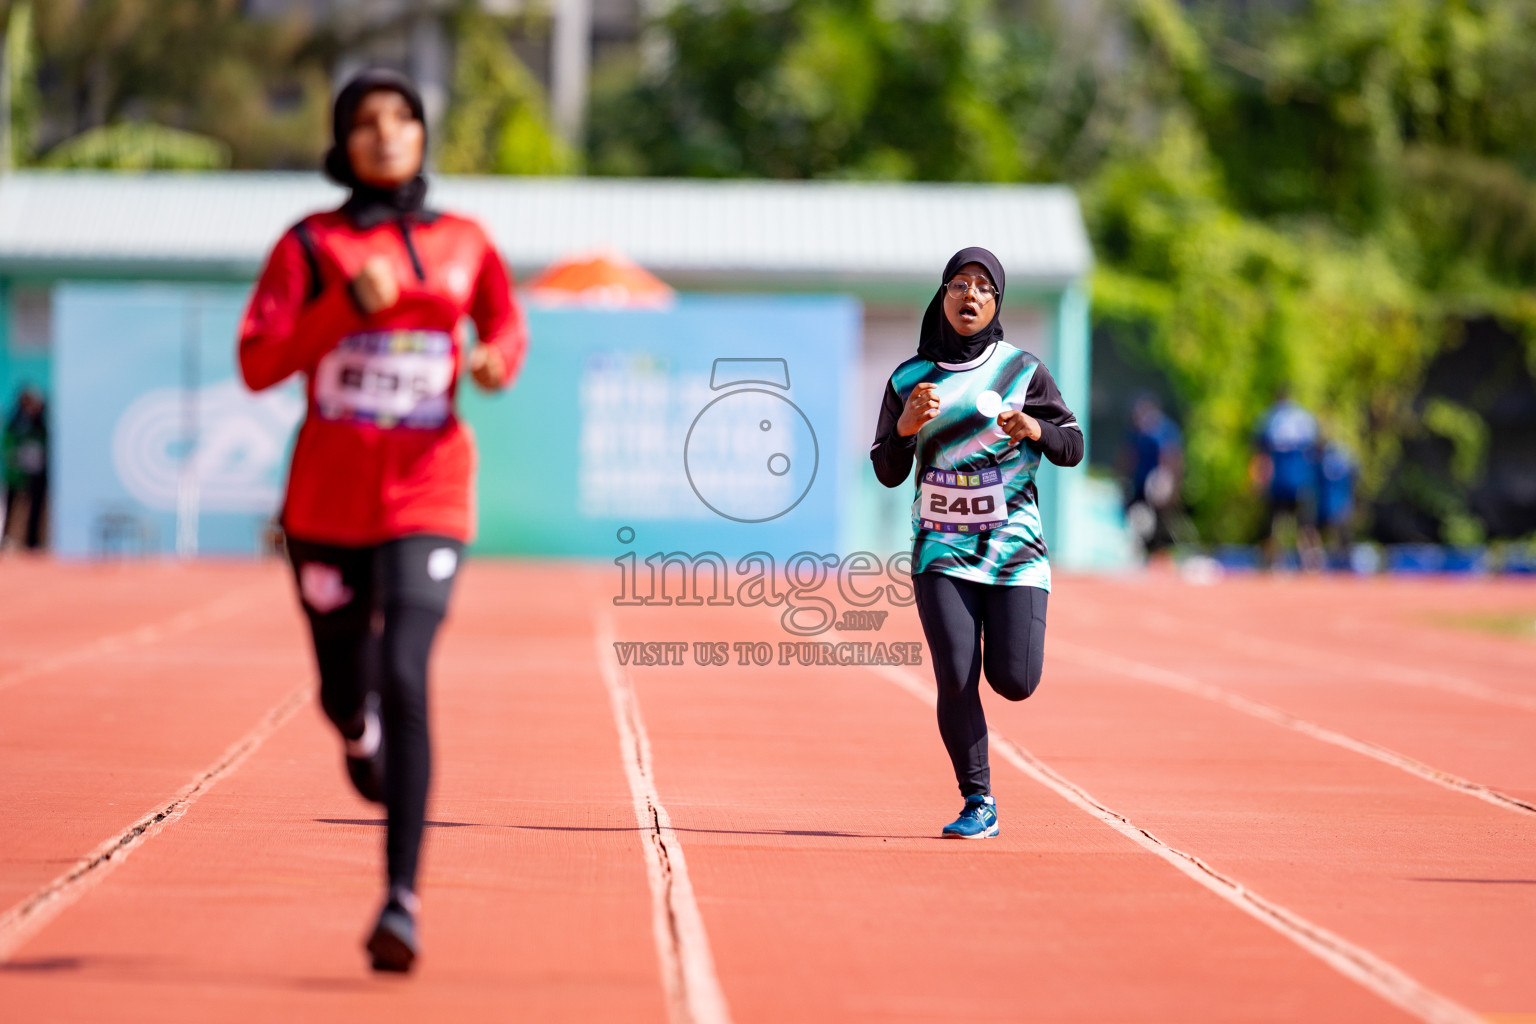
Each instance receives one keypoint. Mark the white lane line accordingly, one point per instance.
(1382, 671)
(1343, 956)
(23, 920)
(682, 945)
(142, 636)
(1195, 688)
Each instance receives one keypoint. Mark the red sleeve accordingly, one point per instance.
(497, 316)
(281, 334)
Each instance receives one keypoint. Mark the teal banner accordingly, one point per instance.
(157, 446)
(720, 424)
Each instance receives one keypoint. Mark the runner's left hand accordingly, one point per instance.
(488, 367)
(1020, 426)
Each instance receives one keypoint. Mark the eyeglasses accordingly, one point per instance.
(959, 286)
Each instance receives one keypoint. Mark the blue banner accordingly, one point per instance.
(157, 446)
(718, 424)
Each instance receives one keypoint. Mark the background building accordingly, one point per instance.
(153, 269)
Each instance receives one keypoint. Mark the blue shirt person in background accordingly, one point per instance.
(1285, 467)
(1336, 473)
(1153, 461)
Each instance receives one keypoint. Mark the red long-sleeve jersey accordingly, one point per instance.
(381, 453)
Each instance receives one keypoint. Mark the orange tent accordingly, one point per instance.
(603, 278)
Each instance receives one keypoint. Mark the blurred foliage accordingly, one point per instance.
(20, 85)
(1322, 194)
(261, 87)
(808, 88)
(497, 121)
(1466, 432)
(139, 147)
(1307, 195)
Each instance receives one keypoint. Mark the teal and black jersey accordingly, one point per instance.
(965, 440)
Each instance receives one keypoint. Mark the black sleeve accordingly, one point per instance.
(892, 454)
(1061, 439)
(311, 262)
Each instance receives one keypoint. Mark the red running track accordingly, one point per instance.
(1240, 802)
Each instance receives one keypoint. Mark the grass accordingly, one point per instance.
(1521, 625)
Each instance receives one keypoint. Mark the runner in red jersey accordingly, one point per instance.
(367, 302)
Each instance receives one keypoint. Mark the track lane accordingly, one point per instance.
(88, 748)
(255, 905)
(1352, 961)
(1417, 625)
(1127, 668)
(810, 914)
(1342, 840)
(55, 615)
(1485, 742)
(809, 801)
(32, 914)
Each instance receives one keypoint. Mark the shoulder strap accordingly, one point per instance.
(312, 258)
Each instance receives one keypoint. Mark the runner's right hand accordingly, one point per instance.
(922, 406)
(375, 287)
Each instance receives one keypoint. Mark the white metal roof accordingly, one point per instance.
(856, 234)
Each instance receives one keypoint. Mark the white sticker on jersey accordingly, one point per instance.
(954, 502)
(387, 379)
(441, 563)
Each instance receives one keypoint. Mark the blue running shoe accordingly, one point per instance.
(978, 820)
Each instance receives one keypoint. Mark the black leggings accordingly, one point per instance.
(374, 612)
(955, 613)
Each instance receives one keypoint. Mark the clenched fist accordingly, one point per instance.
(488, 366)
(922, 406)
(375, 287)
(1020, 426)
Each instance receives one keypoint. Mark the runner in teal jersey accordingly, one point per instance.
(976, 415)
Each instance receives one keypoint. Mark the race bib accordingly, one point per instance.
(387, 379)
(963, 502)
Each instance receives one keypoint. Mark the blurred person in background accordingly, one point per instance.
(1283, 466)
(367, 302)
(1153, 462)
(1336, 474)
(25, 451)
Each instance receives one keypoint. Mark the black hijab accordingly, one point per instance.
(938, 341)
(368, 206)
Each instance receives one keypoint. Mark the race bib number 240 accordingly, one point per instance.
(963, 502)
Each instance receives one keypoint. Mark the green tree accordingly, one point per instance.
(496, 121)
(201, 66)
(18, 90)
(815, 88)
(1370, 147)
(139, 147)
